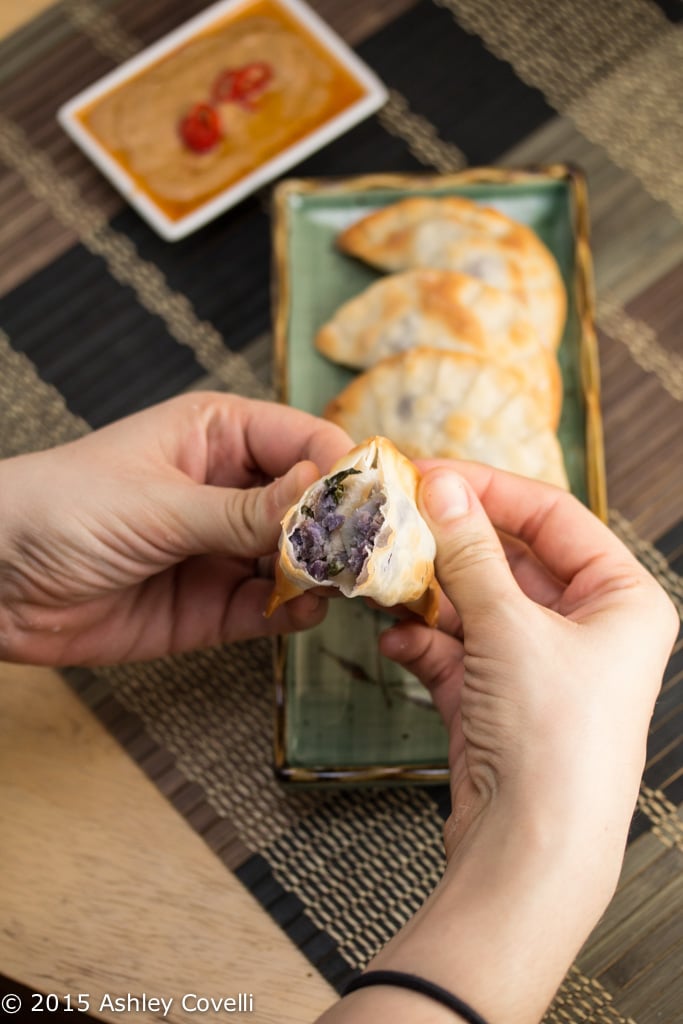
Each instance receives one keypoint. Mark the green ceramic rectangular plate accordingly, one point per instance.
(344, 714)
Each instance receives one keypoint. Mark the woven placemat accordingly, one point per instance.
(100, 318)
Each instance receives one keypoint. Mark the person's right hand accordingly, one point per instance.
(547, 675)
(545, 669)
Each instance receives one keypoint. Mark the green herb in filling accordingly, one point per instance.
(334, 484)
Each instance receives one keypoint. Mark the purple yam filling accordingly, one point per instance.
(366, 522)
(324, 549)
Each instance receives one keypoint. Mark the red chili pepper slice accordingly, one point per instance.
(200, 129)
(223, 87)
(243, 85)
(253, 78)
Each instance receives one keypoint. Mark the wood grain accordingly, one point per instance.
(14, 13)
(106, 889)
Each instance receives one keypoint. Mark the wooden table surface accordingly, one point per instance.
(14, 13)
(86, 905)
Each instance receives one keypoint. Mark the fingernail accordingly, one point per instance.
(444, 496)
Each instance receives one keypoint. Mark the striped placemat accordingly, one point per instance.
(99, 318)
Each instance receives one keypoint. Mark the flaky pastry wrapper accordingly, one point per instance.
(358, 530)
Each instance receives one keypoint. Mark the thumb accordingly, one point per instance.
(470, 562)
(246, 521)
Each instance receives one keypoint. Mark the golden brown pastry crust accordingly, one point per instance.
(443, 309)
(438, 404)
(399, 568)
(453, 233)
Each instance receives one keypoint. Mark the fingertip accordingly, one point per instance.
(287, 490)
(400, 641)
(305, 611)
(308, 471)
(392, 643)
(444, 495)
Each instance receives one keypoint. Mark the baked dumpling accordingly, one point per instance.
(453, 233)
(358, 529)
(443, 309)
(437, 404)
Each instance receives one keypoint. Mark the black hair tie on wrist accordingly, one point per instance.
(399, 979)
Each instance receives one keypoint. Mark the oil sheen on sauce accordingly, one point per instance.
(209, 113)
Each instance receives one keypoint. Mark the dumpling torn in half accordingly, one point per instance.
(358, 529)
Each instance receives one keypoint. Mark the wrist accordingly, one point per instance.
(516, 902)
(517, 837)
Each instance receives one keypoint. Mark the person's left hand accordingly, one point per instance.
(148, 537)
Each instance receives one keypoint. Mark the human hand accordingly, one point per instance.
(545, 669)
(148, 537)
(551, 661)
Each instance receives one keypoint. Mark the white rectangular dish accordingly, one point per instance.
(132, 123)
